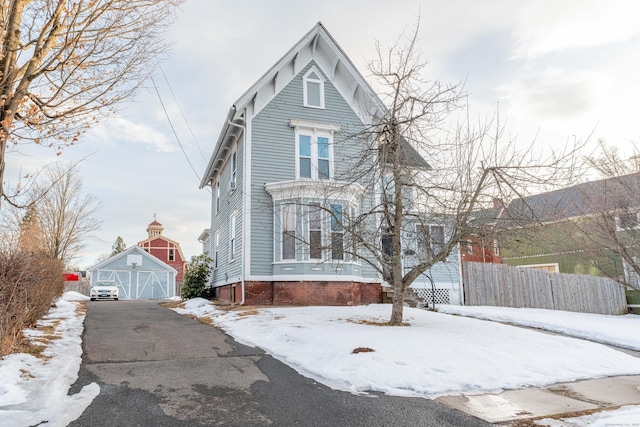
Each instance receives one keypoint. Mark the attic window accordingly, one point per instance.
(313, 89)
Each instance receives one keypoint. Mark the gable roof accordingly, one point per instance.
(133, 249)
(317, 45)
(605, 195)
(408, 156)
(166, 239)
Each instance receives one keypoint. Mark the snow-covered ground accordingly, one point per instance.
(33, 391)
(348, 348)
(621, 331)
(438, 354)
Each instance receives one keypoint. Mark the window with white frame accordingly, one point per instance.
(232, 237)
(430, 240)
(314, 156)
(313, 89)
(288, 225)
(216, 247)
(496, 248)
(172, 255)
(234, 164)
(337, 232)
(469, 247)
(314, 149)
(218, 197)
(315, 231)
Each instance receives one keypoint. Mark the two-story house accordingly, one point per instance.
(278, 198)
(587, 228)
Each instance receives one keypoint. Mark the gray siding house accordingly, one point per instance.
(277, 197)
(138, 275)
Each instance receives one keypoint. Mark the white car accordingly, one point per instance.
(104, 290)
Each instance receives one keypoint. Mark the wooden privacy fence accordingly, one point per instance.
(505, 286)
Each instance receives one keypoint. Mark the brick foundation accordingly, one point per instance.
(303, 293)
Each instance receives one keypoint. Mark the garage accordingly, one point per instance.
(137, 274)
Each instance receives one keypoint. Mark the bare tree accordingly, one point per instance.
(66, 216)
(611, 231)
(419, 178)
(63, 64)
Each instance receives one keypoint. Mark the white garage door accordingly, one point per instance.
(148, 284)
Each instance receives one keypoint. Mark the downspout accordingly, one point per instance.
(244, 222)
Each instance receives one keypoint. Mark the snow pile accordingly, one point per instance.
(74, 296)
(33, 390)
(625, 416)
(437, 354)
(621, 331)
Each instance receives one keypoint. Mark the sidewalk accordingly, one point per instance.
(510, 406)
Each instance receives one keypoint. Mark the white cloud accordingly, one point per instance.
(553, 26)
(553, 94)
(122, 130)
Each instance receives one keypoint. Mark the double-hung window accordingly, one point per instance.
(216, 245)
(289, 231)
(315, 231)
(314, 149)
(218, 197)
(234, 167)
(314, 157)
(232, 237)
(337, 232)
(313, 89)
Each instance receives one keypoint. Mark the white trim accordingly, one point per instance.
(312, 278)
(233, 236)
(314, 134)
(152, 259)
(315, 189)
(309, 124)
(305, 91)
(246, 198)
(216, 250)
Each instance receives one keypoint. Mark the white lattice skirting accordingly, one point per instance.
(442, 296)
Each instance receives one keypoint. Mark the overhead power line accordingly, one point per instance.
(174, 130)
(182, 113)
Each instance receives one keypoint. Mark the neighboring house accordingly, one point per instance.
(575, 229)
(275, 236)
(165, 249)
(138, 275)
(483, 245)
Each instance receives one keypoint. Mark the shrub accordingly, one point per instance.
(29, 283)
(196, 278)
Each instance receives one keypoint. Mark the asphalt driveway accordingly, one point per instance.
(158, 368)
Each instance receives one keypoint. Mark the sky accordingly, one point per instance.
(462, 355)
(559, 71)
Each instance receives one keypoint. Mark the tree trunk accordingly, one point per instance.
(397, 306)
